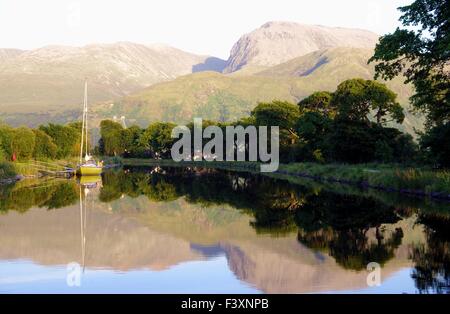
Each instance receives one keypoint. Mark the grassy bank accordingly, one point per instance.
(418, 181)
(7, 170)
(32, 168)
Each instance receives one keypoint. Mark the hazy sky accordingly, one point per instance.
(200, 26)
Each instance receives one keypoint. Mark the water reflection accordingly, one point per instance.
(275, 236)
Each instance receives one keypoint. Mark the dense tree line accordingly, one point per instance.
(50, 141)
(348, 125)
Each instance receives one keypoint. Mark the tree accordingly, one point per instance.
(111, 138)
(319, 102)
(130, 138)
(66, 138)
(6, 135)
(157, 138)
(351, 141)
(356, 98)
(277, 113)
(422, 54)
(312, 128)
(44, 146)
(23, 142)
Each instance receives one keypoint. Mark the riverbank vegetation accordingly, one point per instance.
(21, 148)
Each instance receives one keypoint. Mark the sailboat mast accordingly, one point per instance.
(86, 115)
(83, 123)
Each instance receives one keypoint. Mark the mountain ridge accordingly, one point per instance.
(276, 42)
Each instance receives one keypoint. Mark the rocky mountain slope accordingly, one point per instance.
(277, 42)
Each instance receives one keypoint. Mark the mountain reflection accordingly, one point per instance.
(276, 236)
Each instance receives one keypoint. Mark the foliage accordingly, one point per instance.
(319, 102)
(157, 138)
(67, 138)
(279, 113)
(112, 137)
(436, 145)
(420, 52)
(357, 98)
(6, 136)
(44, 146)
(23, 142)
(312, 128)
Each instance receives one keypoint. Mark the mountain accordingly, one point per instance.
(228, 97)
(49, 80)
(6, 54)
(277, 42)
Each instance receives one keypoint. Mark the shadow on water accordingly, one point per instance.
(353, 228)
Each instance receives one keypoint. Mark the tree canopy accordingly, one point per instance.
(319, 102)
(420, 52)
(356, 98)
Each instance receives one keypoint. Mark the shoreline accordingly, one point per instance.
(386, 178)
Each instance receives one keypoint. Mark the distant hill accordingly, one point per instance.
(48, 82)
(277, 42)
(227, 97)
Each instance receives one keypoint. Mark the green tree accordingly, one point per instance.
(66, 138)
(313, 127)
(130, 138)
(319, 102)
(282, 114)
(111, 138)
(6, 136)
(44, 146)
(23, 142)
(421, 52)
(277, 113)
(157, 138)
(357, 98)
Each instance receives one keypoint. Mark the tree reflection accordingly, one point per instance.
(49, 194)
(432, 261)
(349, 228)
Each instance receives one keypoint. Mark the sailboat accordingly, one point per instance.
(87, 165)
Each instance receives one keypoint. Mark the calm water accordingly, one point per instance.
(181, 230)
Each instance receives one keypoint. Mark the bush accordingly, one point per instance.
(359, 142)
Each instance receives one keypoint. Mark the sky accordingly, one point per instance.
(208, 27)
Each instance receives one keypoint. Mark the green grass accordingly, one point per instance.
(385, 175)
